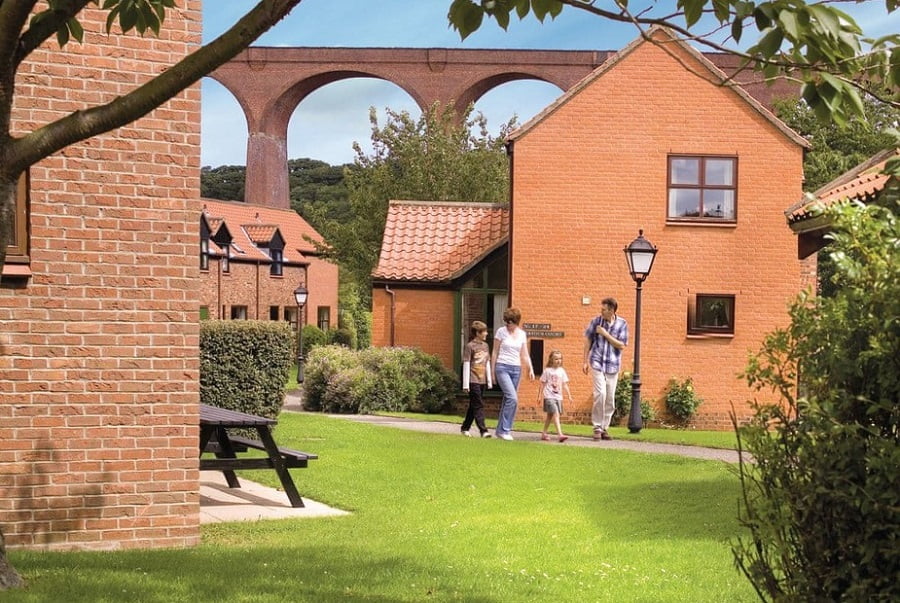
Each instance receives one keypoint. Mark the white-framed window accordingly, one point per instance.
(702, 188)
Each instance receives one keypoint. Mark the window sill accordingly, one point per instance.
(15, 276)
(702, 223)
(710, 335)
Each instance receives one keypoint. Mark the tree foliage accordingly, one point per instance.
(815, 43)
(434, 158)
(25, 27)
(821, 502)
(835, 149)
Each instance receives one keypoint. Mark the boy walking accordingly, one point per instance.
(476, 377)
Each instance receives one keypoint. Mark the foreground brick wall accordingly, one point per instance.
(594, 172)
(99, 352)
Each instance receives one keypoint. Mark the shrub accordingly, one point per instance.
(376, 379)
(244, 365)
(623, 402)
(820, 502)
(681, 400)
(341, 336)
(313, 337)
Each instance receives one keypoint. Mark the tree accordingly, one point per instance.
(821, 502)
(225, 182)
(434, 158)
(836, 149)
(814, 43)
(24, 28)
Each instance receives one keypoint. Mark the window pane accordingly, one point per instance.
(715, 313)
(719, 172)
(684, 203)
(718, 204)
(685, 171)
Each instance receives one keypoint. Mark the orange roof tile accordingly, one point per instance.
(861, 183)
(244, 219)
(438, 241)
(260, 234)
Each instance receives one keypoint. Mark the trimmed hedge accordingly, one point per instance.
(244, 364)
(340, 380)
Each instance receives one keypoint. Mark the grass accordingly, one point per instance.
(687, 437)
(442, 518)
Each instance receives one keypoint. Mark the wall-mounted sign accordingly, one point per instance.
(544, 334)
(536, 326)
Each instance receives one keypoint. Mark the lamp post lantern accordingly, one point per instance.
(640, 254)
(300, 296)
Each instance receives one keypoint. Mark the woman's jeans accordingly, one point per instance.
(508, 379)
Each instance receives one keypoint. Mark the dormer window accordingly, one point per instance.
(277, 266)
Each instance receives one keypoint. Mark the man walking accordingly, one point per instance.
(605, 338)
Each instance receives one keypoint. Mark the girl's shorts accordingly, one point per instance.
(553, 406)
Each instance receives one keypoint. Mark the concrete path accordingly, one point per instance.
(711, 454)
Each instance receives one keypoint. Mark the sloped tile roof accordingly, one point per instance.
(244, 218)
(438, 241)
(260, 234)
(861, 183)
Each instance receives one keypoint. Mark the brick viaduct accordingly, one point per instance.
(269, 83)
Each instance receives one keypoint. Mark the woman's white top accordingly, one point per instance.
(511, 345)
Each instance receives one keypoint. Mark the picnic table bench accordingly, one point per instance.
(214, 437)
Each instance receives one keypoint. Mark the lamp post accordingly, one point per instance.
(640, 254)
(300, 296)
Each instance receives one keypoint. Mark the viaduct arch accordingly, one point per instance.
(270, 82)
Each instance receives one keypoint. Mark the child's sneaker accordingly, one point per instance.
(563, 439)
(485, 434)
(466, 433)
(545, 437)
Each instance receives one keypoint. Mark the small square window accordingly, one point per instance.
(711, 314)
(238, 312)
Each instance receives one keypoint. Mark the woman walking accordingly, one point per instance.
(510, 352)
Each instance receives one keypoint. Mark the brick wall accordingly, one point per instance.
(98, 353)
(422, 318)
(593, 172)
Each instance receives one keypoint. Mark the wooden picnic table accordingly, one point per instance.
(214, 425)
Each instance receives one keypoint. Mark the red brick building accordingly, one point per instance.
(650, 140)
(252, 258)
(99, 384)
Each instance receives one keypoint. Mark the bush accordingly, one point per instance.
(341, 336)
(821, 501)
(244, 365)
(313, 337)
(623, 402)
(376, 379)
(681, 400)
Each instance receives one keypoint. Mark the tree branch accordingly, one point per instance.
(81, 125)
(39, 32)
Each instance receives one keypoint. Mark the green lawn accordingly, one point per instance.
(443, 518)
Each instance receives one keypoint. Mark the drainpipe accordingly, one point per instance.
(393, 309)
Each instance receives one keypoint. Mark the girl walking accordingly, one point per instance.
(554, 381)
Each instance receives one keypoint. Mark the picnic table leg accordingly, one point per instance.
(226, 451)
(287, 482)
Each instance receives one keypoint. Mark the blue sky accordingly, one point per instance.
(327, 122)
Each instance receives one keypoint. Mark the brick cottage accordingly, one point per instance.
(653, 139)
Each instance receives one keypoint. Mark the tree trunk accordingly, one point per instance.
(9, 577)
